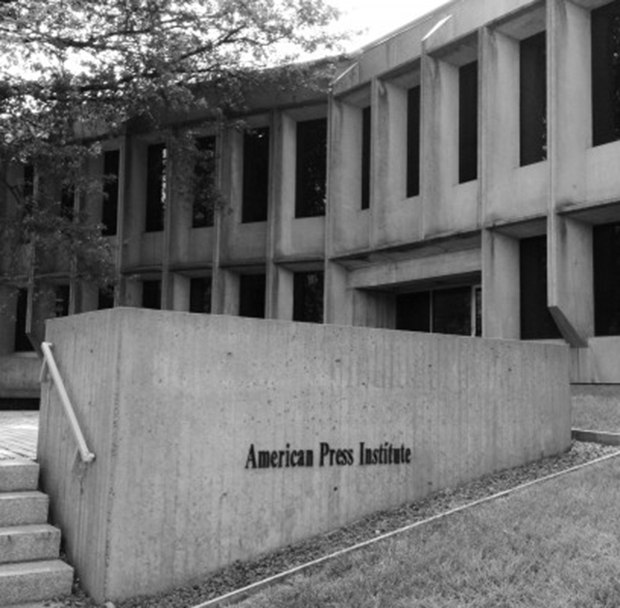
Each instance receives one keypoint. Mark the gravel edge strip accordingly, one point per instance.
(244, 574)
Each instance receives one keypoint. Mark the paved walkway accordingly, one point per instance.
(18, 434)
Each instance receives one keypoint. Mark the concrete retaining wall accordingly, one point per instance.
(19, 376)
(205, 428)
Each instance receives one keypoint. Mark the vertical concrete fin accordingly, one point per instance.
(567, 329)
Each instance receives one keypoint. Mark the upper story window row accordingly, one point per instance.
(311, 139)
(531, 103)
(310, 171)
(310, 178)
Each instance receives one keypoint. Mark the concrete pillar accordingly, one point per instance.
(88, 297)
(280, 133)
(180, 287)
(8, 307)
(349, 224)
(181, 208)
(500, 286)
(281, 296)
(124, 196)
(374, 309)
(231, 186)
(134, 189)
(390, 159)
(169, 217)
(338, 296)
(570, 295)
(226, 293)
(42, 309)
(132, 292)
(284, 169)
(571, 284)
(499, 100)
(391, 146)
(440, 94)
(228, 177)
(93, 198)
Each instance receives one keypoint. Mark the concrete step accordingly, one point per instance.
(29, 543)
(18, 475)
(34, 581)
(23, 508)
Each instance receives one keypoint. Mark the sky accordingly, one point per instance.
(380, 17)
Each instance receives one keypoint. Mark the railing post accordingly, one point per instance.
(49, 366)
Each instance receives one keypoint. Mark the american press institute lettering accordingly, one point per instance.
(326, 456)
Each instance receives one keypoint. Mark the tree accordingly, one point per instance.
(76, 72)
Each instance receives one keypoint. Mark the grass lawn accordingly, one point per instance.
(597, 412)
(556, 544)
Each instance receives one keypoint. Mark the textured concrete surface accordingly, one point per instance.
(183, 412)
(19, 376)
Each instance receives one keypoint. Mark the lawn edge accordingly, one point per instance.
(240, 594)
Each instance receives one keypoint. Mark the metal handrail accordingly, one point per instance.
(49, 365)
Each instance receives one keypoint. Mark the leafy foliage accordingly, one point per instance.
(75, 72)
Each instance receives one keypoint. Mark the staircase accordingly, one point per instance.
(30, 570)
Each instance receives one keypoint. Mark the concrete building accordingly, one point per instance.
(460, 177)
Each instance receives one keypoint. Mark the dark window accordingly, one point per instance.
(109, 209)
(452, 311)
(478, 305)
(441, 311)
(605, 29)
(366, 147)
(203, 209)
(413, 141)
(536, 320)
(61, 300)
(311, 168)
(255, 175)
(308, 297)
(22, 343)
(151, 294)
(252, 295)
(200, 295)
(28, 187)
(468, 122)
(413, 311)
(106, 298)
(533, 100)
(67, 201)
(155, 187)
(606, 253)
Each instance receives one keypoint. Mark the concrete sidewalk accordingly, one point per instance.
(18, 434)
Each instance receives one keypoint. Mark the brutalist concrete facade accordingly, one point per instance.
(471, 187)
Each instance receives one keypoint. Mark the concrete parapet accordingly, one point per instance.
(219, 438)
(19, 376)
